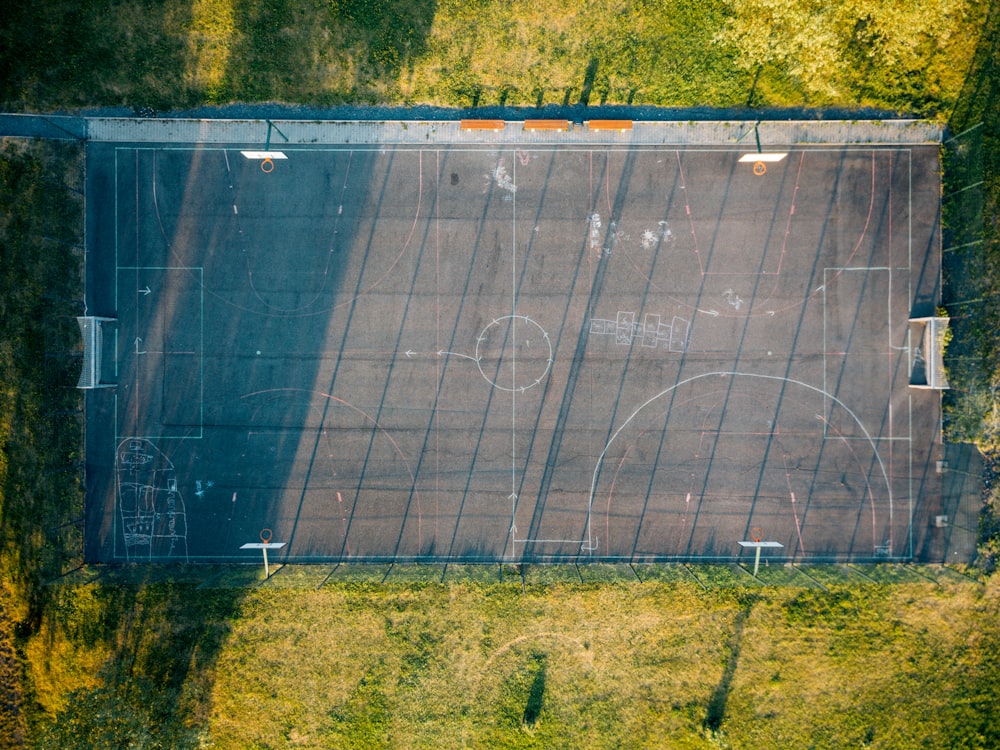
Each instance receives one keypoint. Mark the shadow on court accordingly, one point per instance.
(526, 354)
(213, 309)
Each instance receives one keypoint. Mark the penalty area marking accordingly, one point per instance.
(589, 544)
(831, 275)
(128, 278)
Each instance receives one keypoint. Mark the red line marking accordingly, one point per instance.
(607, 184)
(861, 471)
(687, 207)
(791, 213)
(409, 237)
(380, 428)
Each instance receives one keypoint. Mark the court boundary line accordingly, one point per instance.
(532, 147)
(546, 147)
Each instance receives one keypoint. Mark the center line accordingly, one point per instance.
(513, 337)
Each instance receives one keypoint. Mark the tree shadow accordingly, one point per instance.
(536, 693)
(65, 53)
(41, 504)
(971, 163)
(717, 704)
(392, 31)
(163, 634)
(981, 89)
(271, 61)
(588, 81)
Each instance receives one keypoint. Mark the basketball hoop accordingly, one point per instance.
(761, 158)
(266, 158)
(264, 545)
(757, 543)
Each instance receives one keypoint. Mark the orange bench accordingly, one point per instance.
(621, 125)
(546, 125)
(483, 125)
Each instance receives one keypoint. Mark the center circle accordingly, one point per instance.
(513, 353)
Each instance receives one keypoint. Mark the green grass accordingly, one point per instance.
(471, 664)
(171, 54)
(41, 224)
(41, 503)
(126, 664)
(972, 271)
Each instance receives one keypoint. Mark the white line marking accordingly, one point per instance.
(513, 336)
(443, 353)
(588, 542)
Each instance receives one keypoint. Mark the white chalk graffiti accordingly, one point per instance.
(651, 239)
(650, 333)
(151, 508)
(731, 297)
(665, 234)
(594, 220)
(503, 180)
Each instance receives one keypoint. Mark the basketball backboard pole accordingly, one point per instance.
(758, 546)
(755, 133)
(270, 126)
(267, 156)
(264, 545)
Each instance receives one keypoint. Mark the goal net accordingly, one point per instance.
(91, 328)
(927, 361)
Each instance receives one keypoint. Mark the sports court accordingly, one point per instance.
(525, 351)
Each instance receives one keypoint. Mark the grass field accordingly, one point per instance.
(174, 54)
(41, 503)
(972, 271)
(366, 664)
(691, 657)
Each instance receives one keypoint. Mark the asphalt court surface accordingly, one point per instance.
(493, 353)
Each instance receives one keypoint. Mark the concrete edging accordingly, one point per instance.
(674, 133)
